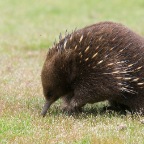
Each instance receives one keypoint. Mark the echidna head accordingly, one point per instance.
(52, 82)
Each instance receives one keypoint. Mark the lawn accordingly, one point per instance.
(27, 29)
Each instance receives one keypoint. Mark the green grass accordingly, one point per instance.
(27, 29)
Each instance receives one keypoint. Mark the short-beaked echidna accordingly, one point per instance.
(104, 61)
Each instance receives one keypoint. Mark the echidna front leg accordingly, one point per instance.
(70, 110)
(71, 105)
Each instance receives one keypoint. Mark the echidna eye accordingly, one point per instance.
(49, 94)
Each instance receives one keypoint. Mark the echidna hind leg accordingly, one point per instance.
(118, 107)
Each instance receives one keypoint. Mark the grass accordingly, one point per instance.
(27, 30)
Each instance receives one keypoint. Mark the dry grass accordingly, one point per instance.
(26, 29)
(21, 102)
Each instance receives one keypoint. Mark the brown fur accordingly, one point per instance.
(104, 61)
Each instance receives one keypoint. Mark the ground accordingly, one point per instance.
(27, 30)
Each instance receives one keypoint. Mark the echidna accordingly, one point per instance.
(104, 61)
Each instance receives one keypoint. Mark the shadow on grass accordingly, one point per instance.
(98, 109)
(87, 112)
